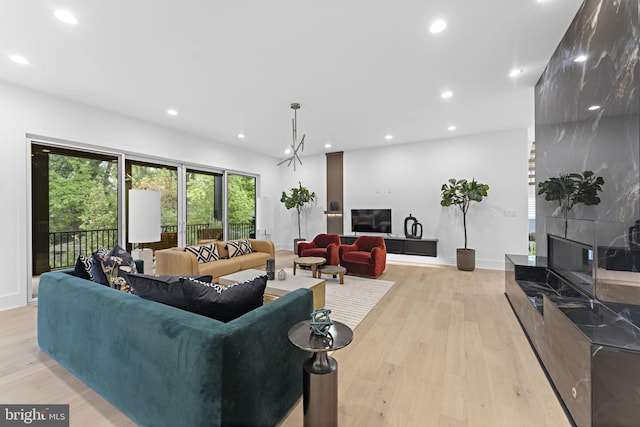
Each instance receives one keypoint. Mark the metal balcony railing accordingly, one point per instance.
(66, 246)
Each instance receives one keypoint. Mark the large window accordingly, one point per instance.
(74, 205)
(204, 206)
(241, 206)
(152, 176)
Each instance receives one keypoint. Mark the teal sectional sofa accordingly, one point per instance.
(162, 366)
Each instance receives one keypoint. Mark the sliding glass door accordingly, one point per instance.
(241, 206)
(204, 206)
(74, 205)
(152, 176)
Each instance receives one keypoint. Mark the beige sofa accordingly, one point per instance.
(177, 262)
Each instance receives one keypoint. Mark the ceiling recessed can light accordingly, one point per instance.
(387, 137)
(172, 112)
(515, 72)
(580, 58)
(438, 26)
(287, 151)
(446, 94)
(327, 145)
(241, 135)
(451, 128)
(66, 17)
(19, 59)
(594, 108)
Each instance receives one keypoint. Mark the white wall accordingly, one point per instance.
(25, 112)
(407, 178)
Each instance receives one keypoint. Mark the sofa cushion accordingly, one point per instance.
(204, 253)
(223, 303)
(164, 289)
(239, 247)
(82, 268)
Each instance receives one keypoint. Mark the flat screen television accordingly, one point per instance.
(371, 220)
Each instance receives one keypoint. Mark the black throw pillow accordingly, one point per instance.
(164, 289)
(223, 303)
(82, 269)
(96, 266)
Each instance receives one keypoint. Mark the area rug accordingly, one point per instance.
(351, 302)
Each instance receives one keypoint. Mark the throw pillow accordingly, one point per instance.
(220, 303)
(164, 289)
(204, 253)
(96, 266)
(82, 268)
(115, 266)
(239, 247)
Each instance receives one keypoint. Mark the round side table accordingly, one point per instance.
(320, 371)
(333, 270)
(310, 261)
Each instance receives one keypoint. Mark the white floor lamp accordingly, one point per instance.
(144, 223)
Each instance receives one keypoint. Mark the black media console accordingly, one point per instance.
(400, 245)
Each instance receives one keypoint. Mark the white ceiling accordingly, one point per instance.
(360, 69)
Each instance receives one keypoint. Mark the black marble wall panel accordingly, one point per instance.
(572, 138)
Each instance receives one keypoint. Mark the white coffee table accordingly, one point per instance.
(277, 288)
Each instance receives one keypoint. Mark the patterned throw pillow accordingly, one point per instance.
(82, 268)
(96, 266)
(204, 253)
(239, 247)
(223, 303)
(115, 266)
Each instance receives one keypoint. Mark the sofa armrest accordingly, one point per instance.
(266, 246)
(172, 262)
(260, 361)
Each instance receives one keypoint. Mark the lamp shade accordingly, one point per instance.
(144, 216)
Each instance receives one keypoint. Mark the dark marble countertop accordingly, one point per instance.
(600, 324)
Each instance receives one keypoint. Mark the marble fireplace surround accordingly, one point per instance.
(589, 350)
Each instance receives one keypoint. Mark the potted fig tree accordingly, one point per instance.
(297, 198)
(460, 193)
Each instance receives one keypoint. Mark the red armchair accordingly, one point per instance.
(367, 256)
(323, 245)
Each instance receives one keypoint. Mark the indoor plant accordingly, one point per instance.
(297, 198)
(461, 193)
(569, 189)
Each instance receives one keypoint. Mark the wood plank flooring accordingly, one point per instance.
(442, 348)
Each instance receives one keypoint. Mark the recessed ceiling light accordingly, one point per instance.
(172, 112)
(19, 59)
(594, 108)
(515, 72)
(580, 58)
(287, 151)
(66, 17)
(327, 145)
(438, 26)
(388, 137)
(446, 94)
(451, 128)
(241, 135)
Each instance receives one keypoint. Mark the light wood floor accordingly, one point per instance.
(442, 348)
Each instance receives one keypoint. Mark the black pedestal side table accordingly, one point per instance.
(320, 371)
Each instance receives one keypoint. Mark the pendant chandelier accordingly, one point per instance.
(295, 145)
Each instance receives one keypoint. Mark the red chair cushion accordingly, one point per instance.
(359, 257)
